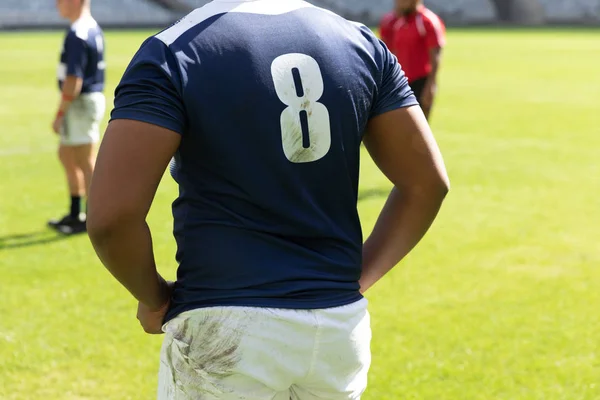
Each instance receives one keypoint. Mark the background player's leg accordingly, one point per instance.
(427, 110)
(74, 182)
(418, 86)
(85, 159)
(82, 123)
(74, 175)
(87, 120)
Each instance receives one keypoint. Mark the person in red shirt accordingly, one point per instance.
(416, 36)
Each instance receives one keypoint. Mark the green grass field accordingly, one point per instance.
(499, 302)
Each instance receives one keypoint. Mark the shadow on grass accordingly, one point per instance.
(21, 240)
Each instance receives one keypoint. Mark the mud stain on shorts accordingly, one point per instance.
(204, 351)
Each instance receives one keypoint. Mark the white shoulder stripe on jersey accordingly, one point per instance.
(421, 25)
(437, 25)
(82, 27)
(216, 7)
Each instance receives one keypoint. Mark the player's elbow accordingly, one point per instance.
(443, 184)
(440, 186)
(99, 228)
(433, 188)
(104, 223)
(436, 179)
(435, 192)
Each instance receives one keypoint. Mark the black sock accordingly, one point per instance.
(75, 206)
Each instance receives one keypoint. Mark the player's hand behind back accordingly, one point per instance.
(152, 319)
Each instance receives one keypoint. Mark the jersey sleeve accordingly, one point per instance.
(150, 89)
(435, 32)
(76, 55)
(393, 91)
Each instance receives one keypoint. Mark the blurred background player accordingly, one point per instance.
(82, 106)
(416, 36)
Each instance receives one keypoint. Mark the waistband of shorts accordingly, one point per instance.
(354, 306)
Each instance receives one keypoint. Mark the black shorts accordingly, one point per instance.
(418, 85)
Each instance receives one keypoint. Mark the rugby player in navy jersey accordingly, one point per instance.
(262, 106)
(82, 106)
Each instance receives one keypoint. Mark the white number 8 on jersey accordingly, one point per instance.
(303, 104)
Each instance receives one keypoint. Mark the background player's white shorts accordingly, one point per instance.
(266, 354)
(82, 120)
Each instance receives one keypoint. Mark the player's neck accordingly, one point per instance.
(83, 13)
(410, 11)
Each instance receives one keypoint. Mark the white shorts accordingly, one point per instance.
(82, 121)
(233, 353)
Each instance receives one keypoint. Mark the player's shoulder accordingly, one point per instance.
(356, 33)
(431, 18)
(221, 9)
(388, 19)
(83, 28)
(152, 51)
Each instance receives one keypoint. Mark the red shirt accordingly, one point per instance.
(411, 38)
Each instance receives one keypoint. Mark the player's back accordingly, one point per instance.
(276, 96)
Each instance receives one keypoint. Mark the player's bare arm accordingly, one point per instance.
(131, 162)
(435, 55)
(71, 90)
(403, 147)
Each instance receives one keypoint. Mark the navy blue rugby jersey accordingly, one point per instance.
(271, 98)
(82, 55)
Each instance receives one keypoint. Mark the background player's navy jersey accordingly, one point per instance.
(271, 98)
(83, 55)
